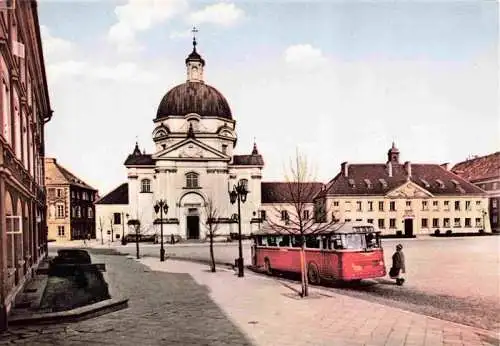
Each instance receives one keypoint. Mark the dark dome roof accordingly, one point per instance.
(194, 97)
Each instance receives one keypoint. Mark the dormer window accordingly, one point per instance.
(224, 149)
(352, 183)
(383, 182)
(440, 183)
(192, 180)
(145, 185)
(426, 184)
(368, 183)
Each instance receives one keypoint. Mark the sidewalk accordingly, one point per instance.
(270, 313)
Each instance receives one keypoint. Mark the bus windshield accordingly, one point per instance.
(360, 241)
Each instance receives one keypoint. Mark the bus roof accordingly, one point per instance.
(337, 228)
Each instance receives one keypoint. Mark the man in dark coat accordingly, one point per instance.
(398, 265)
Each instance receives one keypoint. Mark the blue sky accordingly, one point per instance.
(338, 80)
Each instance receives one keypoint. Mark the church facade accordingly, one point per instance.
(193, 164)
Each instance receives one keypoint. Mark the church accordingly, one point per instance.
(193, 166)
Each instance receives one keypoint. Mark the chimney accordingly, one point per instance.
(408, 168)
(445, 165)
(344, 166)
(389, 168)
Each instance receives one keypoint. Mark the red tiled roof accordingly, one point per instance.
(479, 168)
(373, 179)
(281, 192)
(57, 174)
(117, 196)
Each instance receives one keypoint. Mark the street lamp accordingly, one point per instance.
(123, 228)
(162, 207)
(239, 193)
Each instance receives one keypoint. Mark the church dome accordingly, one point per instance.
(194, 97)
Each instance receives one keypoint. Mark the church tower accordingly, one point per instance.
(195, 63)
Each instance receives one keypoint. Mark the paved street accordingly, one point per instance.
(454, 278)
(181, 303)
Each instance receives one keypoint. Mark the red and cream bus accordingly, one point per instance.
(345, 252)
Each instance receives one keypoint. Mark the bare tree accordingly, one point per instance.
(100, 227)
(111, 227)
(212, 225)
(296, 198)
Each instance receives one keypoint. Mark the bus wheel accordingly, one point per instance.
(313, 274)
(267, 267)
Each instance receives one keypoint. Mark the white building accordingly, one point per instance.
(194, 163)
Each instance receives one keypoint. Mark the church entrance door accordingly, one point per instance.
(193, 227)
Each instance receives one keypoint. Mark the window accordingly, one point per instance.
(494, 203)
(306, 214)
(435, 222)
(381, 206)
(347, 220)
(224, 148)
(457, 205)
(191, 180)
(60, 211)
(392, 206)
(370, 206)
(467, 205)
(145, 185)
(59, 193)
(392, 223)
(381, 223)
(284, 215)
(369, 220)
(336, 203)
(456, 222)
(494, 186)
(78, 212)
(117, 218)
(424, 205)
(313, 242)
(446, 222)
(284, 241)
(408, 204)
(447, 205)
(52, 192)
(60, 231)
(73, 194)
(90, 213)
(478, 203)
(435, 204)
(263, 214)
(468, 222)
(478, 222)
(359, 206)
(424, 223)
(6, 130)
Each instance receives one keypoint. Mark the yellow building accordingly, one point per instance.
(407, 198)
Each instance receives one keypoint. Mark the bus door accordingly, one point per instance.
(326, 257)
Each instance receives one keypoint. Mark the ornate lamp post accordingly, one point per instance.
(162, 207)
(239, 193)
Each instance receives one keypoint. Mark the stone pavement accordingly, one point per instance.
(164, 309)
(269, 312)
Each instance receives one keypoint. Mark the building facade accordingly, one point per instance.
(193, 164)
(25, 109)
(112, 215)
(484, 172)
(406, 198)
(70, 203)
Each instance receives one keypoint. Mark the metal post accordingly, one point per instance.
(240, 248)
(137, 240)
(123, 228)
(162, 250)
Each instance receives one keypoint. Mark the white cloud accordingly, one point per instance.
(123, 72)
(225, 14)
(181, 34)
(304, 56)
(141, 15)
(55, 48)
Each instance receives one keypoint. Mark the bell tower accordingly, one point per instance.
(194, 62)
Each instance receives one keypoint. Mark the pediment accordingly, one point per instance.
(409, 190)
(190, 149)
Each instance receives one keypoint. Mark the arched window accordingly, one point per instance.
(191, 180)
(145, 185)
(90, 213)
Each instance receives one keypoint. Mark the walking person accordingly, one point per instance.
(398, 265)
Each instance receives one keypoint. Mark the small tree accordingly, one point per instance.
(212, 225)
(297, 195)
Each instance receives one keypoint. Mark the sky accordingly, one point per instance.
(337, 80)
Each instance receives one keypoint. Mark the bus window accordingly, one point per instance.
(259, 240)
(271, 241)
(296, 241)
(372, 241)
(325, 241)
(353, 241)
(336, 242)
(285, 241)
(312, 242)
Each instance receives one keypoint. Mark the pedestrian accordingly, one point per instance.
(172, 239)
(398, 265)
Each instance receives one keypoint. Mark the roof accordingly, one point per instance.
(281, 192)
(117, 196)
(194, 97)
(139, 159)
(57, 174)
(479, 168)
(248, 160)
(374, 179)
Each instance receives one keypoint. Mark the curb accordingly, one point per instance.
(74, 315)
